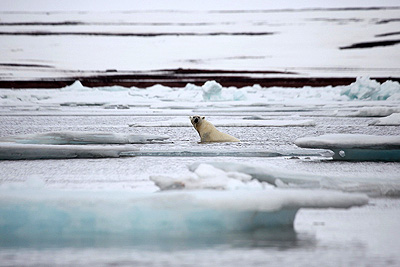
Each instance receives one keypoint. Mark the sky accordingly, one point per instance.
(116, 5)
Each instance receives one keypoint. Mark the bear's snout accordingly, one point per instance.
(196, 120)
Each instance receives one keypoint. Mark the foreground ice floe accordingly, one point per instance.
(356, 146)
(34, 214)
(179, 122)
(374, 185)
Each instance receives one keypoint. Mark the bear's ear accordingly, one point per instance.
(203, 118)
(190, 117)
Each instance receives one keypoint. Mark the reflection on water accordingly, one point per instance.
(279, 238)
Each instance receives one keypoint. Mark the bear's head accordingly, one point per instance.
(195, 120)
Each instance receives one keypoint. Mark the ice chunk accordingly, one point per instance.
(356, 146)
(212, 91)
(15, 151)
(37, 215)
(367, 89)
(392, 120)
(206, 176)
(81, 138)
(330, 141)
(179, 122)
(372, 184)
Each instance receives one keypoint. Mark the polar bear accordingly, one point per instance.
(208, 132)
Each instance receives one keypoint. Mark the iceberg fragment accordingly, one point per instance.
(206, 176)
(373, 185)
(391, 120)
(39, 215)
(366, 89)
(356, 147)
(82, 138)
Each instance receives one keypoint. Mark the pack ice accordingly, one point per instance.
(356, 147)
(32, 213)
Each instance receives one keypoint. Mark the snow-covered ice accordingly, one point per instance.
(85, 210)
(375, 185)
(206, 176)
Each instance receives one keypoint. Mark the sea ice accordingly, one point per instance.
(391, 120)
(372, 184)
(179, 122)
(82, 138)
(226, 153)
(375, 111)
(39, 214)
(356, 147)
(16, 151)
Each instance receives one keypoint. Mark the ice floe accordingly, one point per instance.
(15, 151)
(82, 138)
(356, 147)
(391, 120)
(227, 153)
(181, 122)
(375, 111)
(374, 185)
(38, 214)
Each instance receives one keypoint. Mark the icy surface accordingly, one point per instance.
(82, 138)
(391, 120)
(375, 185)
(15, 151)
(229, 123)
(375, 111)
